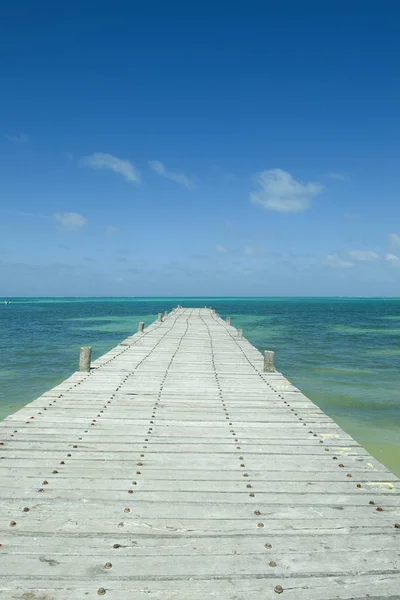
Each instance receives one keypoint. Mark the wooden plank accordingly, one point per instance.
(368, 587)
(163, 566)
(176, 545)
(70, 481)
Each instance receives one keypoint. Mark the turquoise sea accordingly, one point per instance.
(344, 353)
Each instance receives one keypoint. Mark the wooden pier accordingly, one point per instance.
(177, 469)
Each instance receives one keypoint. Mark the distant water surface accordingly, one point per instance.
(344, 353)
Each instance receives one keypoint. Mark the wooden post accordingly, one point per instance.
(140, 327)
(240, 332)
(159, 318)
(84, 358)
(269, 361)
(228, 320)
(166, 314)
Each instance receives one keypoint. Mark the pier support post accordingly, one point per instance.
(85, 358)
(166, 314)
(159, 318)
(240, 332)
(228, 320)
(269, 361)
(140, 327)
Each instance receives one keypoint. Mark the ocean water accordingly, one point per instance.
(344, 353)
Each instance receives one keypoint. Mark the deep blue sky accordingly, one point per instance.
(242, 148)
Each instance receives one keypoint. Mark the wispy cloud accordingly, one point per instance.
(181, 178)
(255, 251)
(280, 192)
(394, 240)
(392, 259)
(112, 230)
(363, 255)
(71, 221)
(21, 138)
(101, 160)
(221, 249)
(337, 176)
(227, 176)
(334, 261)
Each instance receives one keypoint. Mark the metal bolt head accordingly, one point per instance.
(260, 525)
(252, 495)
(249, 485)
(130, 491)
(257, 513)
(127, 510)
(358, 485)
(371, 502)
(272, 563)
(278, 589)
(397, 525)
(379, 509)
(13, 523)
(26, 509)
(108, 565)
(101, 591)
(268, 546)
(341, 465)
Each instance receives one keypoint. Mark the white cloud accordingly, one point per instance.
(181, 178)
(337, 176)
(21, 138)
(394, 240)
(71, 221)
(334, 261)
(221, 249)
(255, 251)
(393, 259)
(111, 229)
(101, 160)
(363, 255)
(280, 192)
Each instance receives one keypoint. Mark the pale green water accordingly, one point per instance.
(343, 353)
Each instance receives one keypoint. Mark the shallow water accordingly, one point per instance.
(343, 353)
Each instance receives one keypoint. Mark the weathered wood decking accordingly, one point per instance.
(177, 469)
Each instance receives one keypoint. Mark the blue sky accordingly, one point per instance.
(200, 148)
